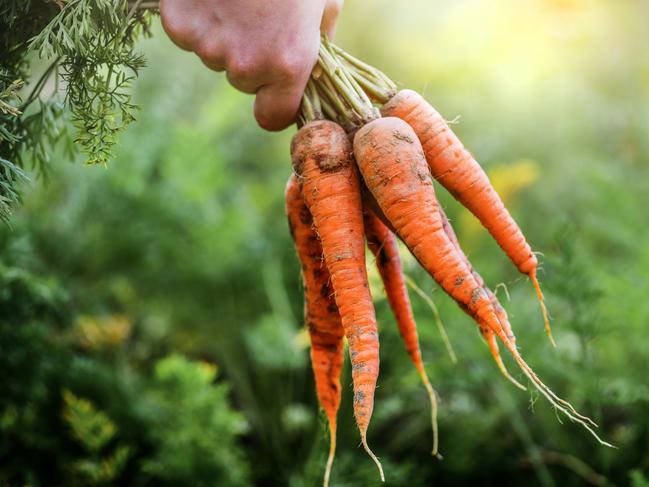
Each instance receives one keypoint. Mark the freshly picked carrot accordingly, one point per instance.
(321, 315)
(398, 151)
(383, 245)
(321, 155)
(456, 169)
(394, 169)
(488, 334)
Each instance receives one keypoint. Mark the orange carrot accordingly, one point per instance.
(488, 335)
(382, 243)
(370, 203)
(320, 312)
(321, 155)
(500, 311)
(485, 331)
(456, 169)
(393, 165)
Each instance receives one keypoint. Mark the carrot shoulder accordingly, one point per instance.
(321, 154)
(320, 312)
(457, 170)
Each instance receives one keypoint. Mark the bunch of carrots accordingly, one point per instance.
(364, 160)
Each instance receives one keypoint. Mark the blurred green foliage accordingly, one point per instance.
(130, 288)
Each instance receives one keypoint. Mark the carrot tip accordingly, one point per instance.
(559, 404)
(433, 412)
(372, 456)
(544, 310)
(330, 459)
(495, 354)
(507, 375)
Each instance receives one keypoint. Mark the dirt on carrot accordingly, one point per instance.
(383, 244)
(458, 171)
(321, 154)
(321, 315)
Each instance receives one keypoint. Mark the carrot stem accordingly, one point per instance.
(361, 66)
(346, 94)
(327, 108)
(329, 89)
(368, 85)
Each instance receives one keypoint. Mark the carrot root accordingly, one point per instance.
(558, 403)
(330, 459)
(382, 243)
(438, 318)
(433, 411)
(372, 455)
(544, 310)
(493, 348)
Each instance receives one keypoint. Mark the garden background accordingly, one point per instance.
(150, 311)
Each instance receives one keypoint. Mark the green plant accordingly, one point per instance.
(94, 430)
(188, 416)
(89, 46)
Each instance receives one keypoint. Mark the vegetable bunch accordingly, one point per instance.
(364, 160)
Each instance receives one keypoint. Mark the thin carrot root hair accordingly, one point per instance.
(564, 406)
(436, 315)
(505, 290)
(332, 454)
(372, 455)
(495, 353)
(544, 310)
(433, 411)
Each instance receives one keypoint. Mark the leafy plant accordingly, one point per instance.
(94, 430)
(188, 417)
(89, 47)
(73, 414)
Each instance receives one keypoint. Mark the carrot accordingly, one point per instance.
(488, 335)
(370, 203)
(382, 243)
(456, 169)
(320, 312)
(393, 165)
(321, 155)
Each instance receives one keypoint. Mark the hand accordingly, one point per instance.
(266, 47)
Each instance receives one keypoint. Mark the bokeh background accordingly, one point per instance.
(150, 312)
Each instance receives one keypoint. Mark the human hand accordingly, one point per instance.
(266, 47)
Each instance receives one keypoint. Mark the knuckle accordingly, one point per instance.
(208, 50)
(179, 31)
(269, 116)
(240, 67)
(290, 64)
